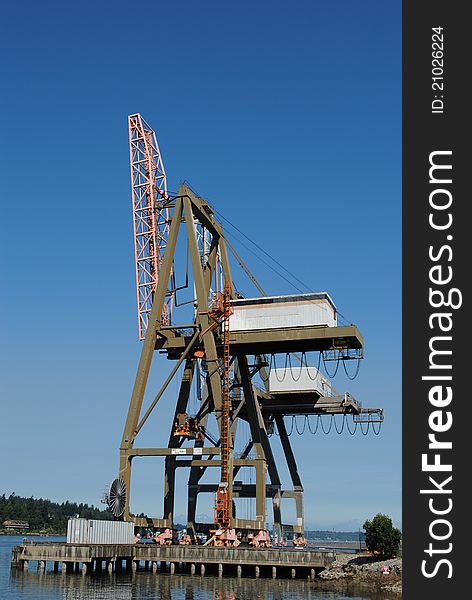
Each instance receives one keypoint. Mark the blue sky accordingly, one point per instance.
(286, 116)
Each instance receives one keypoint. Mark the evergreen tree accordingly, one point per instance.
(45, 515)
(381, 537)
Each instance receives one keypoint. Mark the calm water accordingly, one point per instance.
(32, 585)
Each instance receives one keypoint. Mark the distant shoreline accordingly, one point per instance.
(35, 533)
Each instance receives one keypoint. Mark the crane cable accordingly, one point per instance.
(332, 420)
(356, 373)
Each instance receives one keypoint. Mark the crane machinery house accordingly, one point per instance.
(274, 312)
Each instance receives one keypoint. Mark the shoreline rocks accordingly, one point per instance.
(363, 571)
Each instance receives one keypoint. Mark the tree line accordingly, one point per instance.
(45, 515)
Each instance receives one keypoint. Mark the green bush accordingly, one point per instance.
(381, 537)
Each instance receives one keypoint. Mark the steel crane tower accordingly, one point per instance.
(228, 359)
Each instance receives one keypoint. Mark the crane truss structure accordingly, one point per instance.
(150, 215)
(207, 332)
(231, 361)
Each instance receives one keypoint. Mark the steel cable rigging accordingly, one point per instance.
(319, 421)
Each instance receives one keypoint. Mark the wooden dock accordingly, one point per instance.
(84, 558)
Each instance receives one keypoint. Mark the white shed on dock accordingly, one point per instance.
(93, 531)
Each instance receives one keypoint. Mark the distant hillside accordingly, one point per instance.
(338, 536)
(44, 515)
(51, 517)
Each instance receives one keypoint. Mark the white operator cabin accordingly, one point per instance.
(276, 312)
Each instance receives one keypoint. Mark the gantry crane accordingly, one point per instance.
(219, 345)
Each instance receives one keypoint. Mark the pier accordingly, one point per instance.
(249, 562)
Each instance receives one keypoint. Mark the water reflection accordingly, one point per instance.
(146, 586)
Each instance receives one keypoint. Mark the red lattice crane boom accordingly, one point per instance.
(151, 218)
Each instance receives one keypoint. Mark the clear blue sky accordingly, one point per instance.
(287, 116)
